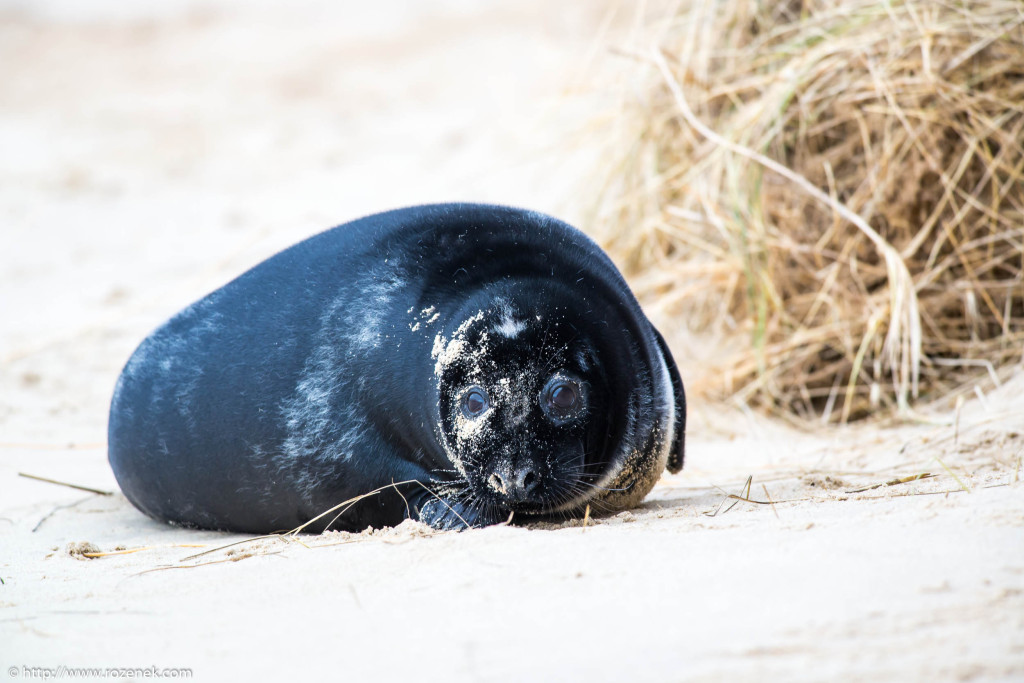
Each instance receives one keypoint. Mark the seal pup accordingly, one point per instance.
(469, 361)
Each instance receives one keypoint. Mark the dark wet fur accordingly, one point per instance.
(310, 379)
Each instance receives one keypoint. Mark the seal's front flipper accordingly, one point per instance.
(676, 455)
(445, 515)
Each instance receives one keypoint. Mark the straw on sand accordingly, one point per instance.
(835, 188)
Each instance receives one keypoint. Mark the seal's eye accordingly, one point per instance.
(474, 402)
(562, 399)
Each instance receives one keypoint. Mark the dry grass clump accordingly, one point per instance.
(838, 184)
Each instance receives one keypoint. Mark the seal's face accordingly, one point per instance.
(524, 403)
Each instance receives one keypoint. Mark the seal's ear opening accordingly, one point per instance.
(675, 456)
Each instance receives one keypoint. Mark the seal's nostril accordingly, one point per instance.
(496, 482)
(526, 480)
(518, 485)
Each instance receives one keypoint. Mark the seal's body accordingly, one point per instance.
(494, 355)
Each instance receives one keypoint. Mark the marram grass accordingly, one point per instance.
(834, 189)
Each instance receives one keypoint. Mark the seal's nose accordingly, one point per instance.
(518, 485)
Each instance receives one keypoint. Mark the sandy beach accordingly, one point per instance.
(151, 155)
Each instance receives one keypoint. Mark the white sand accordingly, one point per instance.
(149, 155)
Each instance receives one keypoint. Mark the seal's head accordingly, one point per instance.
(549, 403)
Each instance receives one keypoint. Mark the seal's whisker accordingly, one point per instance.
(558, 352)
(602, 488)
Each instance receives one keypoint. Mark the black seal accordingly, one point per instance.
(491, 358)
